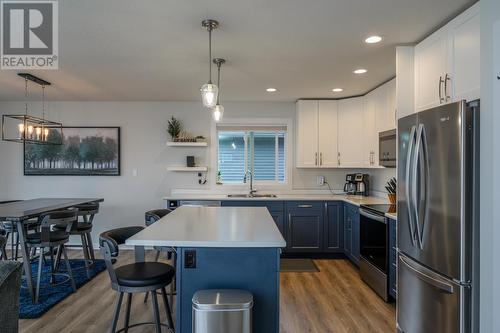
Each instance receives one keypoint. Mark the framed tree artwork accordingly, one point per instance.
(85, 151)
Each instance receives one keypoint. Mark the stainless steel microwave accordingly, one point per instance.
(387, 148)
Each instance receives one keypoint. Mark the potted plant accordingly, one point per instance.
(174, 127)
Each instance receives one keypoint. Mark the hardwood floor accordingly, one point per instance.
(334, 300)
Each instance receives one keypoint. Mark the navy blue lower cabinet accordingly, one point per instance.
(304, 226)
(392, 257)
(351, 232)
(275, 208)
(252, 269)
(278, 218)
(334, 227)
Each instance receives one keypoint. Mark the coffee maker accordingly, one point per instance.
(361, 181)
(350, 184)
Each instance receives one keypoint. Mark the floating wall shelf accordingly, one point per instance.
(186, 144)
(187, 169)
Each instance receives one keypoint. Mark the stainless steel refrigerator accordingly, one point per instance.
(438, 163)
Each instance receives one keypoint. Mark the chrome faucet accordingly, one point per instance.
(252, 190)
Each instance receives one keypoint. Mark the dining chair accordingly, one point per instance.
(53, 239)
(11, 231)
(151, 217)
(82, 228)
(3, 241)
(138, 277)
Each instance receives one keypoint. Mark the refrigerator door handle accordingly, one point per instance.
(421, 222)
(416, 184)
(422, 275)
(409, 183)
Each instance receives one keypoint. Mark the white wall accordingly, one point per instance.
(143, 137)
(490, 165)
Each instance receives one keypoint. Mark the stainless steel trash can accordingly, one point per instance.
(222, 311)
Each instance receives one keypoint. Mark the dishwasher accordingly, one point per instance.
(173, 204)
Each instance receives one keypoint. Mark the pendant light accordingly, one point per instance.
(218, 110)
(209, 91)
(24, 128)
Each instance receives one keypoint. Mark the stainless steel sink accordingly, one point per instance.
(251, 195)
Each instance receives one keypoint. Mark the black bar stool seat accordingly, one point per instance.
(54, 236)
(141, 274)
(78, 227)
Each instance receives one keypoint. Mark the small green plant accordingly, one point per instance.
(174, 127)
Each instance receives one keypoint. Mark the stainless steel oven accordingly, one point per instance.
(374, 253)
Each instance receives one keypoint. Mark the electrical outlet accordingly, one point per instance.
(320, 180)
(190, 259)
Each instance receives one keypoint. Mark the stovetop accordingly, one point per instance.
(380, 209)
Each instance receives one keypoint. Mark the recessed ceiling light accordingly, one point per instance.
(360, 71)
(271, 89)
(373, 39)
(337, 89)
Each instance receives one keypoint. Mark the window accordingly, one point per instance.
(260, 150)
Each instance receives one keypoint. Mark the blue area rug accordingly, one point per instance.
(50, 295)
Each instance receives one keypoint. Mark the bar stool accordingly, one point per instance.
(83, 229)
(151, 217)
(47, 238)
(133, 278)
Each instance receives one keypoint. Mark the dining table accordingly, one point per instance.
(19, 212)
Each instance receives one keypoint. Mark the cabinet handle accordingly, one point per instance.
(289, 231)
(441, 99)
(304, 206)
(447, 78)
(338, 158)
(315, 158)
(320, 158)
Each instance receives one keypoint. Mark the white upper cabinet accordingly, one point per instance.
(350, 126)
(466, 56)
(379, 115)
(370, 132)
(447, 64)
(327, 130)
(431, 61)
(307, 134)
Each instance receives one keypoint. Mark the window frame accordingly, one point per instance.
(253, 122)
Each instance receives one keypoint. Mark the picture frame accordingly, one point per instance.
(85, 151)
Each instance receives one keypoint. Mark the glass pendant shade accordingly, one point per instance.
(209, 94)
(217, 112)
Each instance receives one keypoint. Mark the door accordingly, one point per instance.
(350, 120)
(427, 302)
(431, 61)
(465, 78)
(307, 134)
(355, 234)
(333, 227)
(347, 232)
(327, 134)
(278, 219)
(304, 227)
(432, 185)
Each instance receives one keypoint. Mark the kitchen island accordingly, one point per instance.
(221, 248)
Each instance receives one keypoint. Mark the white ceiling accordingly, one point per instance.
(157, 50)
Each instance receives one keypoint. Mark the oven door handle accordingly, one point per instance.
(371, 216)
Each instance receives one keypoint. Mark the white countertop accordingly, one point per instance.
(393, 216)
(352, 199)
(212, 227)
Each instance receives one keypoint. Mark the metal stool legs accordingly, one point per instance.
(156, 313)
(168, 310)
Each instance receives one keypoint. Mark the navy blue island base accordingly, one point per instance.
(252, 269)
